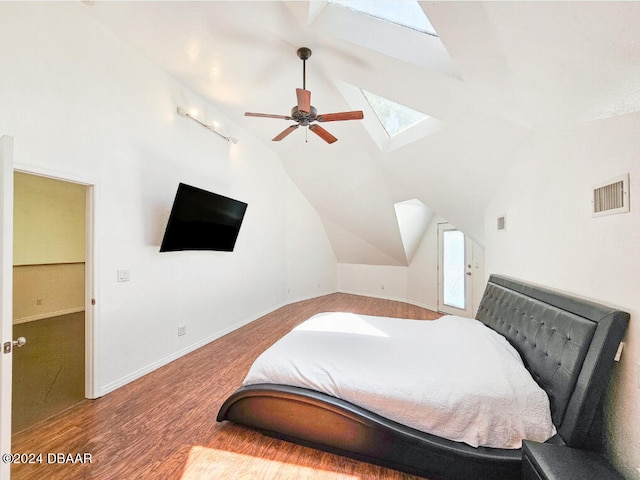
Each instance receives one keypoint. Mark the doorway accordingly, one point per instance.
(454, 272)
(48, 297)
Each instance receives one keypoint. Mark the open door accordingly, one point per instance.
(6, 298)
(49, 296)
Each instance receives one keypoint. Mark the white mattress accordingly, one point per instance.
(452, 377)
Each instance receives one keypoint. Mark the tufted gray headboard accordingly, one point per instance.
(568, 344)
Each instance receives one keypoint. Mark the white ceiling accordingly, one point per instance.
(503, 71)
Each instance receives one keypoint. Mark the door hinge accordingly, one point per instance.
(7, 347)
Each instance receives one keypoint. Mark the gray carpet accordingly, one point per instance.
(48, 372)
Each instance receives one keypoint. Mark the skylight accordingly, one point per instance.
(394, 117)
(405, 13)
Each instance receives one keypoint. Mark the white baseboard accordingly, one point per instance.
(110, 387)
(433, 308)
(393, 299)
(308, 297)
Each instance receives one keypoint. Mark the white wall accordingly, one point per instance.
(381, 281)
(422, 274)
(80, 104)
(311, 262)
(552, 239)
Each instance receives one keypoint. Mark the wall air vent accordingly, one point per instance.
(611, 196)
(502, 222)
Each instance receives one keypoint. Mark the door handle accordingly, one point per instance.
(19, 342)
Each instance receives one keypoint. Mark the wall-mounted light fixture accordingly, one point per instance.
(183, 113)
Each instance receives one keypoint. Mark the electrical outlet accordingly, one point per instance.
(38, 301)
(182, 330)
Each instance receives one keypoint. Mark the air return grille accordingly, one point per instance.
(502, 222)
(611, 196)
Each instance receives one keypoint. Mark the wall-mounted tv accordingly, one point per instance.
(202, 220)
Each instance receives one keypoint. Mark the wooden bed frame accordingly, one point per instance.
(568, 344)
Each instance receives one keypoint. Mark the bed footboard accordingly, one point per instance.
(327, 423)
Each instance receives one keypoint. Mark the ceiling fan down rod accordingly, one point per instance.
(304, 53)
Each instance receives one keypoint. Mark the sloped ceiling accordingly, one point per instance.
(505, 70)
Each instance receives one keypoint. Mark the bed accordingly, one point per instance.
(567, 344)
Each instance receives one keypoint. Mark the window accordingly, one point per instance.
(394, 117)
(398, 28)
(405, 13)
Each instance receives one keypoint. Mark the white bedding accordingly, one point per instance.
(452, 377)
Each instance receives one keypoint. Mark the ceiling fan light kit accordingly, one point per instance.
(304, 114)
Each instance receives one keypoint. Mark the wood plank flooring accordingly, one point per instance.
(163, 426)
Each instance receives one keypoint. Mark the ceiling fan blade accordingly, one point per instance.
(322, 133)
(266, 115)
(332, 117)
(304, 100)
(284, 133)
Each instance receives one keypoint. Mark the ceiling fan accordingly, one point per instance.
(304, 113)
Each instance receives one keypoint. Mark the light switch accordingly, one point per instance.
(123, 275)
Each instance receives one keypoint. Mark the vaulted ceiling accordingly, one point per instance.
(497, 73)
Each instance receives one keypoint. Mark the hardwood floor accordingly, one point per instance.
(163, 426)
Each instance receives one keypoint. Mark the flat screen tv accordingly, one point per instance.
(202, 220)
